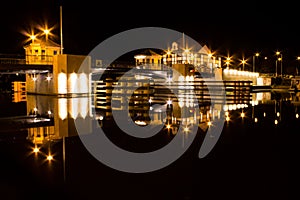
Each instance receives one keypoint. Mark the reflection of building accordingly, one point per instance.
(63, 111)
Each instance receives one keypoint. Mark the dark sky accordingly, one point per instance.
(240, 27)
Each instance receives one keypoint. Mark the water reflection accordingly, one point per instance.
(62, 112)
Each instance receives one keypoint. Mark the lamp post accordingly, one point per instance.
(255, 55)
(280, 59)
(276, 63)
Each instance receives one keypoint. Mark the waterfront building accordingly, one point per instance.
(64, 78)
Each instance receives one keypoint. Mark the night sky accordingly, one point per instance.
(240, 27)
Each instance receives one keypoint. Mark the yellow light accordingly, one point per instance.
(297, 115)
(49, 157)
(36, 150)
(186, 129)
(83, 83)
(46, 31)
(276, 121)
(62, 83)
(32, 37)
(48, 78)
(242, 115)
(209, 123)
(73, 84)
(256, 54)
(255, 119)
(277, 52)
(139, 56)
(62, 108)
(49, 112)
(264, 114)
(226, 113)
(228, 118)
(278, 114)
(168, 126)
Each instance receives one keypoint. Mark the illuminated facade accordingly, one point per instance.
(41, 52)
(65, 77)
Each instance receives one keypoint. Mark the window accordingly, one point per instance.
(54, 52)
(43, 57)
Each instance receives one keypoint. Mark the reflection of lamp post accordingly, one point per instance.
(297, 68)
(255, 55)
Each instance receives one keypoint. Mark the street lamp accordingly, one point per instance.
(255, 55)
(228, 59)
(279, 58)
(46, 32)
(243, 63)
(32, 37)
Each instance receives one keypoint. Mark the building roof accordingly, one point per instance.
(44, 43)
(149, 52)
(204, 50)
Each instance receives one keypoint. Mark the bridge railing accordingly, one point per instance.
(39, 59)
(12, 61)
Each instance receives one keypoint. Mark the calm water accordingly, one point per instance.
(254, 158)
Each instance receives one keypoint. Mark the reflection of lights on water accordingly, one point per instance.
(73, 107)
(36, 150)
(255, 119)
(227, 118)
(276, 122)
(278, 114)
(49, 157)
(186, 129)
(62, 108)
(264, 114)
(141, 123)
(297, 115)
(242, 114)
(83, 106)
